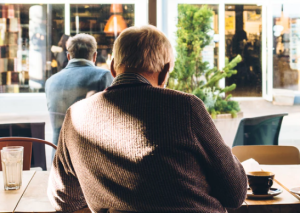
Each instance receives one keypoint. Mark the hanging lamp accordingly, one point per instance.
(116, 23)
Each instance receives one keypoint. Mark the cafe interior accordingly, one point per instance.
(264, 136)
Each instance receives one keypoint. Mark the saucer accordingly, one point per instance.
(295, 190)
(272, 192)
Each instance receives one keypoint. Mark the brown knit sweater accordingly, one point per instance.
(138, 148)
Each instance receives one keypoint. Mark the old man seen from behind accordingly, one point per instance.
(138, 147)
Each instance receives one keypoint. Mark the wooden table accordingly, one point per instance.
(32, 197)
(35, 197)
(286, 176)
(285, 203)
(10, 199)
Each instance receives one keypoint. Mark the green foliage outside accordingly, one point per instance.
(190, 73)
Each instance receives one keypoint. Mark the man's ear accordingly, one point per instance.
(68, 56)
(94, 57)
(162, 77)
(112, 69)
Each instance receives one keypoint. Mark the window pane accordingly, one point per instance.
(97, 20)
(27, 33)
(210, 52)
(243, 26)
(33, 39)
(286, 51)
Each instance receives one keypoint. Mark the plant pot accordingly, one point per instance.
(227, 126)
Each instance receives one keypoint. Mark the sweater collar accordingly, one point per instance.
(129, 78)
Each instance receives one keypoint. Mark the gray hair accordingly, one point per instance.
(82, 46)
(144, 48)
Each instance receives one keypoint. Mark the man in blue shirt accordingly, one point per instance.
(78, 80)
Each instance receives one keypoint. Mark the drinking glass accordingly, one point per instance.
(12, 166)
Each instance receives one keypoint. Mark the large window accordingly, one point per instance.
(237, 32)
(27, 33)
(33, 39)
(286, 47)
(243, 36)
(210, 53)
(98, 20)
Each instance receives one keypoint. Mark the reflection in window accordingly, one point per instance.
(243, 26)
(286, 51)
(104, 22)
(210, 52)
(33, 39)
(27, 33)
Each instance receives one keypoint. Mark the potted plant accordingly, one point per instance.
(191, 74)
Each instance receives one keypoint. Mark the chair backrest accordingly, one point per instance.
(265, 154)
(26, 143)
(30, 130)
(263, 130)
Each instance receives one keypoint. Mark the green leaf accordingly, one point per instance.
(191, 74)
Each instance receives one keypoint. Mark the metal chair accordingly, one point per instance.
(27, 144)
(264, 154)
(263, 130)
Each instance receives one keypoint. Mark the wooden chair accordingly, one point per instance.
(27, 144)
(265, 154)
(262, 130)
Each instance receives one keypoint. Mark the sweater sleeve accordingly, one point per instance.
(64, 191)
(224, 172)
